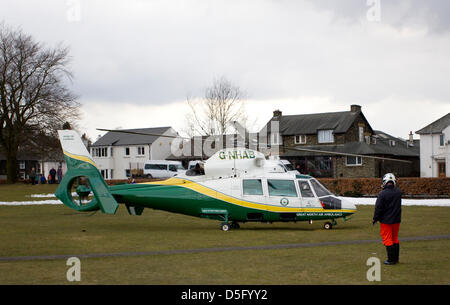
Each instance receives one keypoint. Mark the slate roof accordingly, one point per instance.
(437, 126)
(382, 147)
(120, 139)
(340, 122)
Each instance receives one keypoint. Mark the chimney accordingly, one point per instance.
(277, 113)
(411, 139)
(355, 108)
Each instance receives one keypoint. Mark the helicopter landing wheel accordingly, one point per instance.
(327, 226)
(235, 225)
(225, 226)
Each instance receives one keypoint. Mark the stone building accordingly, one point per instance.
(341, 144)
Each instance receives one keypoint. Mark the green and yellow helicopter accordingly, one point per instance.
(234, 186)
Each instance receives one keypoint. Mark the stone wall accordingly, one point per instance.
(411, 187)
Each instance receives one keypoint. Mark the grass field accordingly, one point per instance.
(55, 229)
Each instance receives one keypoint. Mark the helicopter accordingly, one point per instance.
(235, 185)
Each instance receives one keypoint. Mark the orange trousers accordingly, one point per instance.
(389, 233)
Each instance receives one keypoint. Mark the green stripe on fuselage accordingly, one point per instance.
(179, 199)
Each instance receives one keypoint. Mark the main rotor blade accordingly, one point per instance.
(143, 133)
(346, 154)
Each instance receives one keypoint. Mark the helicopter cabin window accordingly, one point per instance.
(319, 188)
(252, 187)
(305, 189)
(284, 188)
(353, 161)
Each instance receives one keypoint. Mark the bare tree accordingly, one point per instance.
(223, 103)
(34, 97)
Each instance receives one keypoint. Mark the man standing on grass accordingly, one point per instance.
(388, 211)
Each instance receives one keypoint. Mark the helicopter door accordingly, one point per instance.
(308, 197)
(282, 192)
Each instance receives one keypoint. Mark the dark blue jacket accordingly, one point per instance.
(388, 208)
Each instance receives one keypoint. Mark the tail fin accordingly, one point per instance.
(82, 173)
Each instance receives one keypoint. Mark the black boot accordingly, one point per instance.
(396, 252)
(391, 255)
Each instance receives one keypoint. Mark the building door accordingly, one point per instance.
(441, 169)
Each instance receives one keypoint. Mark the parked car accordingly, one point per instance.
(162, 168)
(192, 163)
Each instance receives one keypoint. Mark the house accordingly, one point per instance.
(435, 148)
(118, 155)
(318, 144)
(42, 153)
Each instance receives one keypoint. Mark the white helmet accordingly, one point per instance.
(388, 177)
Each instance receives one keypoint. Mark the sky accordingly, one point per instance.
(135, 62)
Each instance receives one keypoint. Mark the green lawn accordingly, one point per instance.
(56, 229)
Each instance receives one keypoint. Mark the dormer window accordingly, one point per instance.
(325, 136)
(391, 143)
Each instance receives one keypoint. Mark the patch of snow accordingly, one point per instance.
(38, 202)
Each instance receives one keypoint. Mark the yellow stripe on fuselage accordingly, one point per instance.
(81, 158)
(218, 195)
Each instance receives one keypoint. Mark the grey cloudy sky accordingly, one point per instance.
(136, 61)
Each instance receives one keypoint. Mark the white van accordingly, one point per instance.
(162, 168)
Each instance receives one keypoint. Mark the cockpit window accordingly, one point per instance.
(289, 167)
(252, 187)
(284, 188)
(319, 188)
(305, 189)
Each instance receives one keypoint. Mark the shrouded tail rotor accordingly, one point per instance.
(82, 187)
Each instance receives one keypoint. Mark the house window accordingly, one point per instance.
(141, 150)
(391, 143)
(353, 161)
(361, 133)
(442, 139)
(326, 136)
(367, 139)
(22, 164)
(104, 152)
(127, 151)
(300, 139)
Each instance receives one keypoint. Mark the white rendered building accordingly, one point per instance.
(435, 148)
(118, 155)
